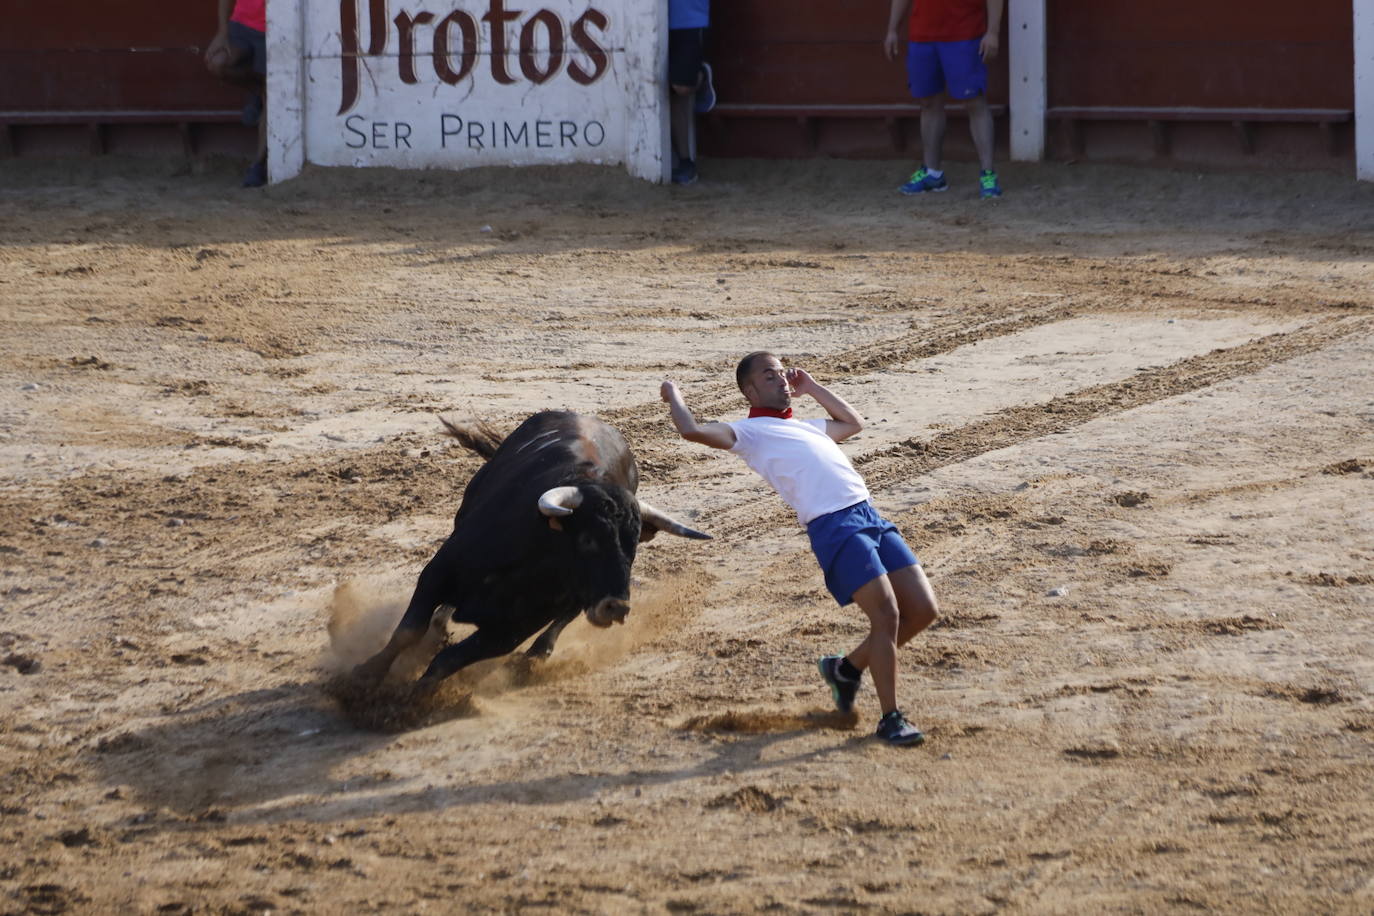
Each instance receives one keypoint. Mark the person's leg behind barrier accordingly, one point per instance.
(685, 52)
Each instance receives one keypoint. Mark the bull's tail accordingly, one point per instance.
(477, 436)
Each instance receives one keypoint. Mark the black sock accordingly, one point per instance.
(848, 671)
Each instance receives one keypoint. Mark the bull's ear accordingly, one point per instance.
(555, 524)
(646, 532)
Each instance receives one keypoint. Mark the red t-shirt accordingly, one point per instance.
(252, 13)
(948, 20)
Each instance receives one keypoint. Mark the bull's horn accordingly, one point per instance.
(560, 501)
(657, 519)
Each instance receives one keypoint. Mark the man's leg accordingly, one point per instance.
(916, 609)
(684, 76)
(933, 131)
(878, 651)
(916, 602)
(680, 114)
(981, 126)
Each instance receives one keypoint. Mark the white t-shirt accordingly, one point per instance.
(801, 462)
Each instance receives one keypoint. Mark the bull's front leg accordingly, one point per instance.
(543, 646)
(488, 642)
(408, 632)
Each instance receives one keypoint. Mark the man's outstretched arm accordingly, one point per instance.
(716, 435)
(844, 420)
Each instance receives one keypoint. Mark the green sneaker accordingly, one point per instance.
(922, 181)
(987, 184)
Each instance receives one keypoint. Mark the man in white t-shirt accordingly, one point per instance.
(862, 555)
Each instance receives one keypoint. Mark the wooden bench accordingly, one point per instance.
(96, 121)
(1158, 119)
(808, 115)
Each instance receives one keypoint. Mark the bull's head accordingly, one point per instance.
(604, 544)
(563, 501)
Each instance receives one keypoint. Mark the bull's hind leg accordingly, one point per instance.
(543, 646)
(487, 642)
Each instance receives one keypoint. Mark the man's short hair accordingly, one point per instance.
(746, 366)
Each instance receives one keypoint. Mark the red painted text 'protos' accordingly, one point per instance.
(457, 39)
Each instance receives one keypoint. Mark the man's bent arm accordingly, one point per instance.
(844, 420)
(716, 435)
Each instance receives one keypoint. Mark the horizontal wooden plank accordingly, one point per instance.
(124, 81)
(840, 73)
(835, 111)
(195, 116)
(1206, 73)
(1211, 23)
(1183, 113)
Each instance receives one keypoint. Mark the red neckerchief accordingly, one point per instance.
(784, 414)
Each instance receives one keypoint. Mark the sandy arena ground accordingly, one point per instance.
(1126, 417)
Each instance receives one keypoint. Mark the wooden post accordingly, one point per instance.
(1159, 137)
(1076, 144)
(897, 132)
(1246, 136)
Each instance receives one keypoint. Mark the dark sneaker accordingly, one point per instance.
(685, 173)
(987, 184)
(922, 181)
(256, 176)
(706, 92)
(842, 690)
(897, 731)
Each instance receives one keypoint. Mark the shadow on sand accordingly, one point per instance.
(266, 756)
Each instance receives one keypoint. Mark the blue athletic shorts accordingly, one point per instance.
(934, 66)
(855, 546)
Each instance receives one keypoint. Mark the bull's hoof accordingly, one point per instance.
(368, 674)
(425, 688)
(522, 669)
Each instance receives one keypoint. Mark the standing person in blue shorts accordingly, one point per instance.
(950, 43)
(862, 554)
(690, 78)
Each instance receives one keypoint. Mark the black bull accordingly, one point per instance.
(547, 529)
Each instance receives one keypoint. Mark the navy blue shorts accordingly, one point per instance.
(934, 66)
(250, 43)
(855, 546)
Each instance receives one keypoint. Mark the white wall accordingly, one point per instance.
(500, 95)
